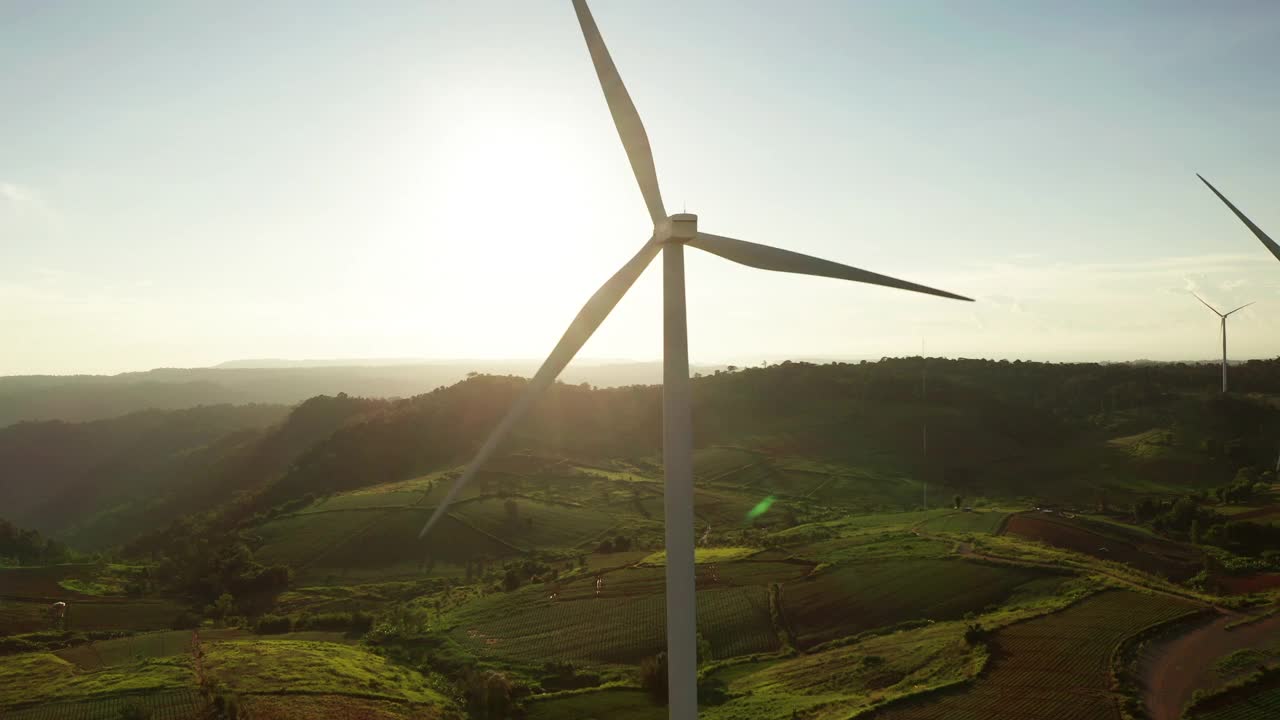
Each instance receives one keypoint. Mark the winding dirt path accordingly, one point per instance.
(1173, 669)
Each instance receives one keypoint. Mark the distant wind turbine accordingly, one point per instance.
(1266, 241)
(669, 235)
(1224, 334)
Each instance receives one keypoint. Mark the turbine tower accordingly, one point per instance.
(1224, 335)
(669, 235)
(1266, 241)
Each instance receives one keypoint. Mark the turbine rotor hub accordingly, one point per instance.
(679, 228)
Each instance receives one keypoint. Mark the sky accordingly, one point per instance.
(187, 183)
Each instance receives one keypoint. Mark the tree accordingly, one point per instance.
(958, 500)
(511, 580)
(653, 677)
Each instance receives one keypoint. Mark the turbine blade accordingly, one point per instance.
(625, 116)
(1214, 309)
(1240, 308)
(1266, 241)
(772, 258)
(588, 319)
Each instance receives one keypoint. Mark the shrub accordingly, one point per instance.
(186, 620)
(273, 625)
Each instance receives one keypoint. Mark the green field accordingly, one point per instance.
(534, 523)
(306, 667)
(1055, 667)
(122, 651)
(849, 599)
(618, 627)
(45, 677)
(614, 704)
(978, 521)
(838, 682)
(162, 705)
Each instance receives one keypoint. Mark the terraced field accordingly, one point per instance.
(1108, 542)
(614, 628)
(535, 524)
(371, 540)
(1052, 668)
(852, 598)
(102, 614)
(615, 704)
(1262, 705)
(166, 705)
(978, 521)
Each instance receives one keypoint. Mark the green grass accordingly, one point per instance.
(89, 587)
(1054, 667)
(295, 666)
(705, 555)
(981, 521)
(844, 680)
(44, 677)
(122, 651)
(850, 599)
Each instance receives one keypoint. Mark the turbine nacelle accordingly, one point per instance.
(679, 228)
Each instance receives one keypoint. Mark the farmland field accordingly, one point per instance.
(535, 524)
(370, 539)
(297, 666)
(1108, 542)
(978, 521)
(24, 616)
(626, 623)
(165, 705)
(614, 704)
(42, 582)
(849, 599)
(1261, 705)
(121, 651)
(1055, 667)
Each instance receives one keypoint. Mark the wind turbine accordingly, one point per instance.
(670, 235)
(1224, 334)
(1266, 241)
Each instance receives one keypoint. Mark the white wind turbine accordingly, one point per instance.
(1224, 334)
(1266, 241)
(670, 234)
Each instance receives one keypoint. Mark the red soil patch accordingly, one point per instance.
(1158, 557)
(1245, 584)
(1172, 670)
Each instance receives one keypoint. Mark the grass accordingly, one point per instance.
(23, 616)
(305, 667)
(982, 521)
(122, 651)
(89, 587)
(704, 555)
(45, 677)
(842, 681)
(850, 599)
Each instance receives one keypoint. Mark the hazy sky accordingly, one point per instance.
(185, 183)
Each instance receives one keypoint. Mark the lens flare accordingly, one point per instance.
(761, 508)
